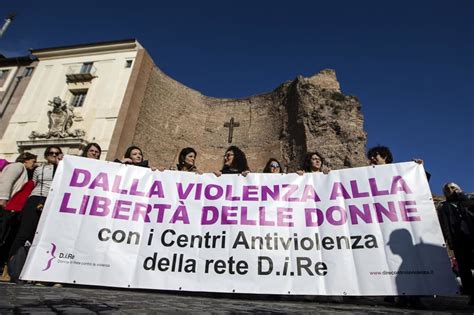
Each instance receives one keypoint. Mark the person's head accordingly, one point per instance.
(52, 153)
(273, 166)
(450, 189)
(400, 242)
(28, 159)
(236, 159)
(135, 154)
(313, 162)
(379, 155)
(187, 158)
(92, 151)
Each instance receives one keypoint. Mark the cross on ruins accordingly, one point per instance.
(231, 126)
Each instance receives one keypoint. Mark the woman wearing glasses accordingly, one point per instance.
(273, 166)
(235, 162)
(92, 151)
(42, 177)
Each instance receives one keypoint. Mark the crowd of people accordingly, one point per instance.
(25, 187)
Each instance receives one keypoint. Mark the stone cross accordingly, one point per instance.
(231, 126)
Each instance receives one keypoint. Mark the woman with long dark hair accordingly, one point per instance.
(235, 162)
(273, 166)
(133, 156)
(313, 163)
(187, 160)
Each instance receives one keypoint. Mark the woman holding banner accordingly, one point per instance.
(92, 151)
(186, 160)
(133, 156)
(42, 178)
(273, 166)
(381, 155)
(15, 187)
(235, 162)
(313, 163)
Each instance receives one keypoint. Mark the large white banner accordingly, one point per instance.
(361, 231)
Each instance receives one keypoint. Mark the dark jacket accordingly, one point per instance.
(191, 169)
(229, 170)
(456, 217)
(143, 163)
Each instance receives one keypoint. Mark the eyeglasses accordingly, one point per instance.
(56, 153)
(274, 165)
(315, 159)
(228, 155)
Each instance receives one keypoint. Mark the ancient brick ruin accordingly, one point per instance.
(302, 115)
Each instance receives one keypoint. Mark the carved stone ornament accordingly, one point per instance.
(60, 122)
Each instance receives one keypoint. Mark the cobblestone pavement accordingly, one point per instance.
(25, 299)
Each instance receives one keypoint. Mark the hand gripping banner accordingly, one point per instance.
(361, 231)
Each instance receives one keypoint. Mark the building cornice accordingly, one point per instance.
(86, 49)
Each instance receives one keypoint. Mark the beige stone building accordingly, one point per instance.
(96, 80)
(126, 99)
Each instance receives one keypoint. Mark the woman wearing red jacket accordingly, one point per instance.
(15, 187)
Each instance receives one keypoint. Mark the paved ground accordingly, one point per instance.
(24, 299)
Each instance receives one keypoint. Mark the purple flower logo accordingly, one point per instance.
(51, 252)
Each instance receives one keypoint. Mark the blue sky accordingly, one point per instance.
(411, 63)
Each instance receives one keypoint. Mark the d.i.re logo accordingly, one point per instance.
(66, 256)
(52, 251)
